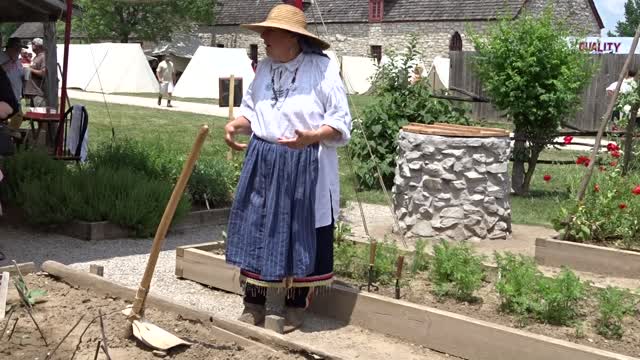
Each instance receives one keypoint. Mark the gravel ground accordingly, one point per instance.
(124, 261)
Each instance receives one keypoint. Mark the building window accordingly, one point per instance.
(456, 42)
(219, 45)
(376, 10)
(376, 52)
(253, 52)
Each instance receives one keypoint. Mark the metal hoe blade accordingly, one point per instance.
(156, 337)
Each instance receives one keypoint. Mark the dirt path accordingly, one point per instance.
(183, 106)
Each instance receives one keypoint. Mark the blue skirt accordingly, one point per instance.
(271, 234)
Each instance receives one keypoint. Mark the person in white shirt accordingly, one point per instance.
(166, 78)
(627, 86)
(280, 230)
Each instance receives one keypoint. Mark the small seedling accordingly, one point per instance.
(420, 261)
(30, 296)
(614, 305)
(517, 286)
(456, 271)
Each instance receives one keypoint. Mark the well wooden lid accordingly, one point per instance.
(455, 130)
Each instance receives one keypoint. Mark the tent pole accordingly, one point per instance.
(65, 65)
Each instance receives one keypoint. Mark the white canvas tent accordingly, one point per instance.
(209, 64)
(358, 73)
(439, 73)
(109, 68)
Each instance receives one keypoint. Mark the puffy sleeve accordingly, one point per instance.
(336, 105)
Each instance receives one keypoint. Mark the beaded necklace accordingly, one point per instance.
(281, 92)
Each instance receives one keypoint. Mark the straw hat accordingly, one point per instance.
(290, 18)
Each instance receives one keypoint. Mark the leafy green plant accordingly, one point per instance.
(385, 265)
(31, 296)
(614, 305)
(456, 271)
(532, 73)
(517, 286)
(398, 102)
(341, 232)
(420, 261)
(561, 298)
(350, 260)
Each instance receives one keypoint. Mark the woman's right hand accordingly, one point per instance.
(238, 126)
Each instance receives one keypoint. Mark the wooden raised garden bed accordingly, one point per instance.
(590, 258)
(105, 230)
(73, 294)
(420, 320)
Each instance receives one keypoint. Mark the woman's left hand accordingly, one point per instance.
(303, 138)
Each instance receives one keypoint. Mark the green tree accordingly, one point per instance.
(631, 19)
(6, 29)
(533, 74)
(397, 103)
(115, 20)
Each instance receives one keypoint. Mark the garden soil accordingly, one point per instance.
(420, 291)
(64, 305)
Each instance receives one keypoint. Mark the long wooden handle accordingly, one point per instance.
(399, 267)
(169, 211)
(372, 252)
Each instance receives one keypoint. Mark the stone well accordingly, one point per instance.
(452, 182)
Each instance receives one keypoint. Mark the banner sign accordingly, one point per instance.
(607, 45)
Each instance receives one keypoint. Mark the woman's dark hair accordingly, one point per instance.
(309, 46)
(632, 73)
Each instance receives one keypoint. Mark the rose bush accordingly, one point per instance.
(610, 212)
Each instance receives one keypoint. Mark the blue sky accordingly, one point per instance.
(611, 12)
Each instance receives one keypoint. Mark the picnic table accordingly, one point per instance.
(43, 117)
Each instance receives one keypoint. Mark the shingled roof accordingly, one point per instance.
(235, 12)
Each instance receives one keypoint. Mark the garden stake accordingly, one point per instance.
(7, 323)
(13, 328)
(151, 335)
(628, 140)
(50, 354)
(105, 346)
(400, 265)
(85, 331)
(97, 351)
(372, 263)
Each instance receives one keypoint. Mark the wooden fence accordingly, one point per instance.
(594, 99)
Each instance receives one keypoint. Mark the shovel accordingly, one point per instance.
(149, 334)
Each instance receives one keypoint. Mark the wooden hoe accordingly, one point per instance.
(152, 335)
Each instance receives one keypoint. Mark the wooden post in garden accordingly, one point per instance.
(605, 119)
(628, 139)
(232, 90)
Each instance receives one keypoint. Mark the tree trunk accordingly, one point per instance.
(531, 168)
(518, 173)
(628, 140)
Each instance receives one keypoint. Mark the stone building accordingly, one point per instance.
(371, 27)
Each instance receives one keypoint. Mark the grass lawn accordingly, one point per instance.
(155, 96)
(176, 131)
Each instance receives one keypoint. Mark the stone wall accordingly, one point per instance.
(356, 39)
(453, 188)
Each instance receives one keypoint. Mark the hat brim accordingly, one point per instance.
(260, 27)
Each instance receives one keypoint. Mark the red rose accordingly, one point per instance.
(547, 177)
(622, 206)
(568, 139)
(596, 188)
(613, 163)
(636, 190)
(613, 147)
(583, 160)
(615, 154)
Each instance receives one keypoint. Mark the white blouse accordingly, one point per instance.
(317, 97)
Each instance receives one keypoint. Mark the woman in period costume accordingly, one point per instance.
(280, 230)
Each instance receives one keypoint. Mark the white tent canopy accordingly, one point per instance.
(439, 73)
(358, 72)
(209, 64)
(109, 68)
